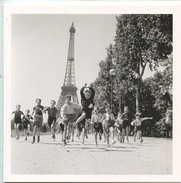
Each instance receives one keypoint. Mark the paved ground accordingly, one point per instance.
(154, 156)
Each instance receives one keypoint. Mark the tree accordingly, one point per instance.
(122, 88)
(161, 85)
(102, 84)
(142, 40)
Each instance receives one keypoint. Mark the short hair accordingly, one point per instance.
(68, 96)
(18, 105)
(28, 110)
(53, 101)
(38, 99)
(137, 114)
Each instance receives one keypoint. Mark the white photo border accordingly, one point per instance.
(101, 7)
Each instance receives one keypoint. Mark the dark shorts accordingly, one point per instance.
(51, 119)
(88, 112)
(125, 124)
(25, 126)
(81, 125)
(38, 120)
(168, 127)
(61, 127)
(18, 122)
(98, 127)
(138, 128)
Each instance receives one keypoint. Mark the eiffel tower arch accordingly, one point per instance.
(69, 86)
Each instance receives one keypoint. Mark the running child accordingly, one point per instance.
(109, 121)
(125, 123)
(17, 120)
(87, 96)
(68, 116)
(96, 120)
(52, 117)
(38, 119)
(26, 123)
(119, 126)
(137, 123)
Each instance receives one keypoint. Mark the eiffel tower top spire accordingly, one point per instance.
(70, 68)
(72, 28)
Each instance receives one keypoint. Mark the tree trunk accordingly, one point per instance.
(138, 96)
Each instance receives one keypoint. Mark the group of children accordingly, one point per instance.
(36, 119)
(103, 124)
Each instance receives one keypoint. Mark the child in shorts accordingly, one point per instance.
(52, 117)
(38, 120)
(26, 123)
(137, 123)
(68, 116)
(109, 121)
(125, 123)
(87, 96)
(119, 126)
(96, 120)
(17, 120)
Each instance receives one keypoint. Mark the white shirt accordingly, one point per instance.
(69, 109)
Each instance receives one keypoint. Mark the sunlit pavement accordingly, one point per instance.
(153, 156)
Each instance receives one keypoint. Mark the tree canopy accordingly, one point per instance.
(141, 40)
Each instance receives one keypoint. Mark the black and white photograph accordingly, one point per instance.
(90, 94)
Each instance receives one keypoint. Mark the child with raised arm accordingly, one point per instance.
(87, 101)
(68, 116)
(137, 123)
(52, 117)
(38, 119)
(17, 120)
(96, 120)
(109, 121)
(26, 123)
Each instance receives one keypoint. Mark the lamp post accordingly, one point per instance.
(112, 73)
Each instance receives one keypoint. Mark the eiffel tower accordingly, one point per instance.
(69, 80)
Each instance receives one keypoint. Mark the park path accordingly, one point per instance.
(154, 156)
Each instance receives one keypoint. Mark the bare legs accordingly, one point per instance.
(96, 138)
(139, 133)
(25, 134)
(17, 126)
(65, 133)
(81, 118)
(36, 130)
(125, 132)
(53, 125)
(85, 130)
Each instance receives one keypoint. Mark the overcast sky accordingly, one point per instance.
(40, 49)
